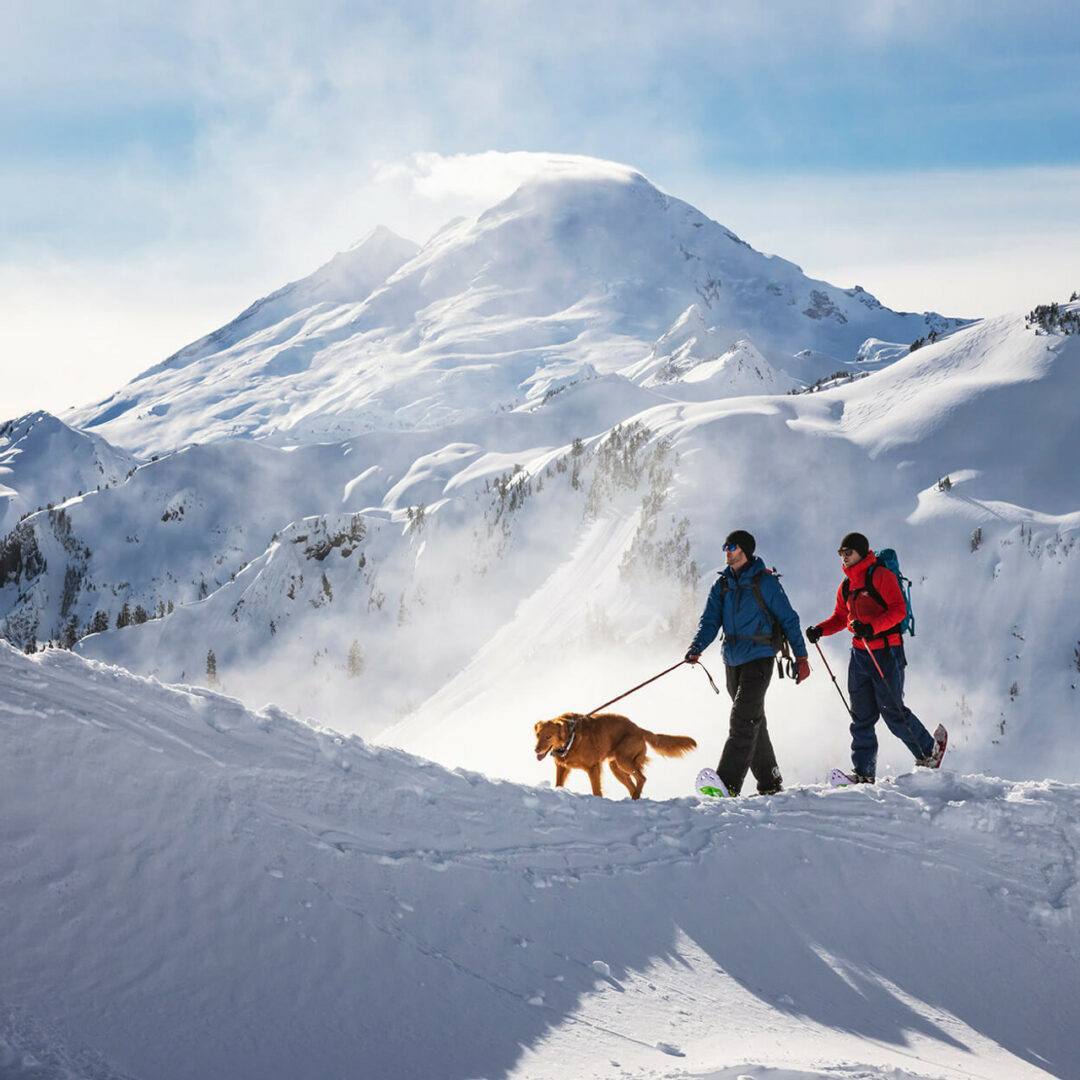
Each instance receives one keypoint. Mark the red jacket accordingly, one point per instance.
(862, 607)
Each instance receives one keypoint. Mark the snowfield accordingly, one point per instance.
(191, 889)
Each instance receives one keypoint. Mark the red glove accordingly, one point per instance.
(803, 669)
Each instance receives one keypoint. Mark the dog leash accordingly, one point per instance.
(666, 671)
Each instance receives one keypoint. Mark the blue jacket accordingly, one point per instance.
(735, 608)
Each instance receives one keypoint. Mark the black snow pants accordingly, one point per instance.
(748, 745)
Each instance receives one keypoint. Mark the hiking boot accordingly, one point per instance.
(772, 789)
(861, 778)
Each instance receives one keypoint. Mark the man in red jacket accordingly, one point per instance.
(874, 622)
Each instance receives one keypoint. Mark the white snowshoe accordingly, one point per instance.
(708, 782)
(839, 778)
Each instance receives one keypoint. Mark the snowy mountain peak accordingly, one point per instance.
(586, 262)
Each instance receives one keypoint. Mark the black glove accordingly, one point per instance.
(691, 656)
(813, 634)
(862, 629)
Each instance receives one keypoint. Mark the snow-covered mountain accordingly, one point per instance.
(42, 460)
(585, 265)
(193, 889)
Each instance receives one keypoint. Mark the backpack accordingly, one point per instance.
(888, 558)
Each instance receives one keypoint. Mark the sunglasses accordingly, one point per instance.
(731, 547)
(845, 552)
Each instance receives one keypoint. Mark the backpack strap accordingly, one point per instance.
(869, 587)
(777, 638)
(871, 591)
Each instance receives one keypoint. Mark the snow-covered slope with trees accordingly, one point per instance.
(191, 889)
(914, 456)
(587, 263)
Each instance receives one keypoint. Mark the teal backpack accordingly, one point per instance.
(888, 558)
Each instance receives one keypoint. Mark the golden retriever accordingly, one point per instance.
(586, 742)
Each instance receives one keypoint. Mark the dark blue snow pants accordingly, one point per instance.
(871, 697)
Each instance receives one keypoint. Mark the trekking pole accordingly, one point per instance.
(666, 671)
(817, 646)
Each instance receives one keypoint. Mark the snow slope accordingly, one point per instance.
(350, 276)
(586, 264)
(693, 361)
(191, 889)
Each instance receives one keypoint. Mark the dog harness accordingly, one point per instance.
(569, 742)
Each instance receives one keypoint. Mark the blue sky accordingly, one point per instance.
(162, 165)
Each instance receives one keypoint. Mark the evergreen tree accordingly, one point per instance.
(70, 634)
(355, 663)
(140, 615)
(211, 668)
(123, 617)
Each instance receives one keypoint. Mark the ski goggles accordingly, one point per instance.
(731, 547)
(845, 552)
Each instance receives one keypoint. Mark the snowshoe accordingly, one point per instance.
(941, 741)
(839, 778)
(708, 782)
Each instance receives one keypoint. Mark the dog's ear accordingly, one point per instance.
(537, 726)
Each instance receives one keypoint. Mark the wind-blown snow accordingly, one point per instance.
(192, 889)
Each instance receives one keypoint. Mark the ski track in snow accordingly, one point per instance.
(192, 889)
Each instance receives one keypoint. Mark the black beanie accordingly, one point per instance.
(858, 543)
(744, 540)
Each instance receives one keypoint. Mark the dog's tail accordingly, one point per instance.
(670, 745)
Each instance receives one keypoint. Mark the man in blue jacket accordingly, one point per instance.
(750, 604)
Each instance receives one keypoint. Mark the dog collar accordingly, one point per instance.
(569, 742)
